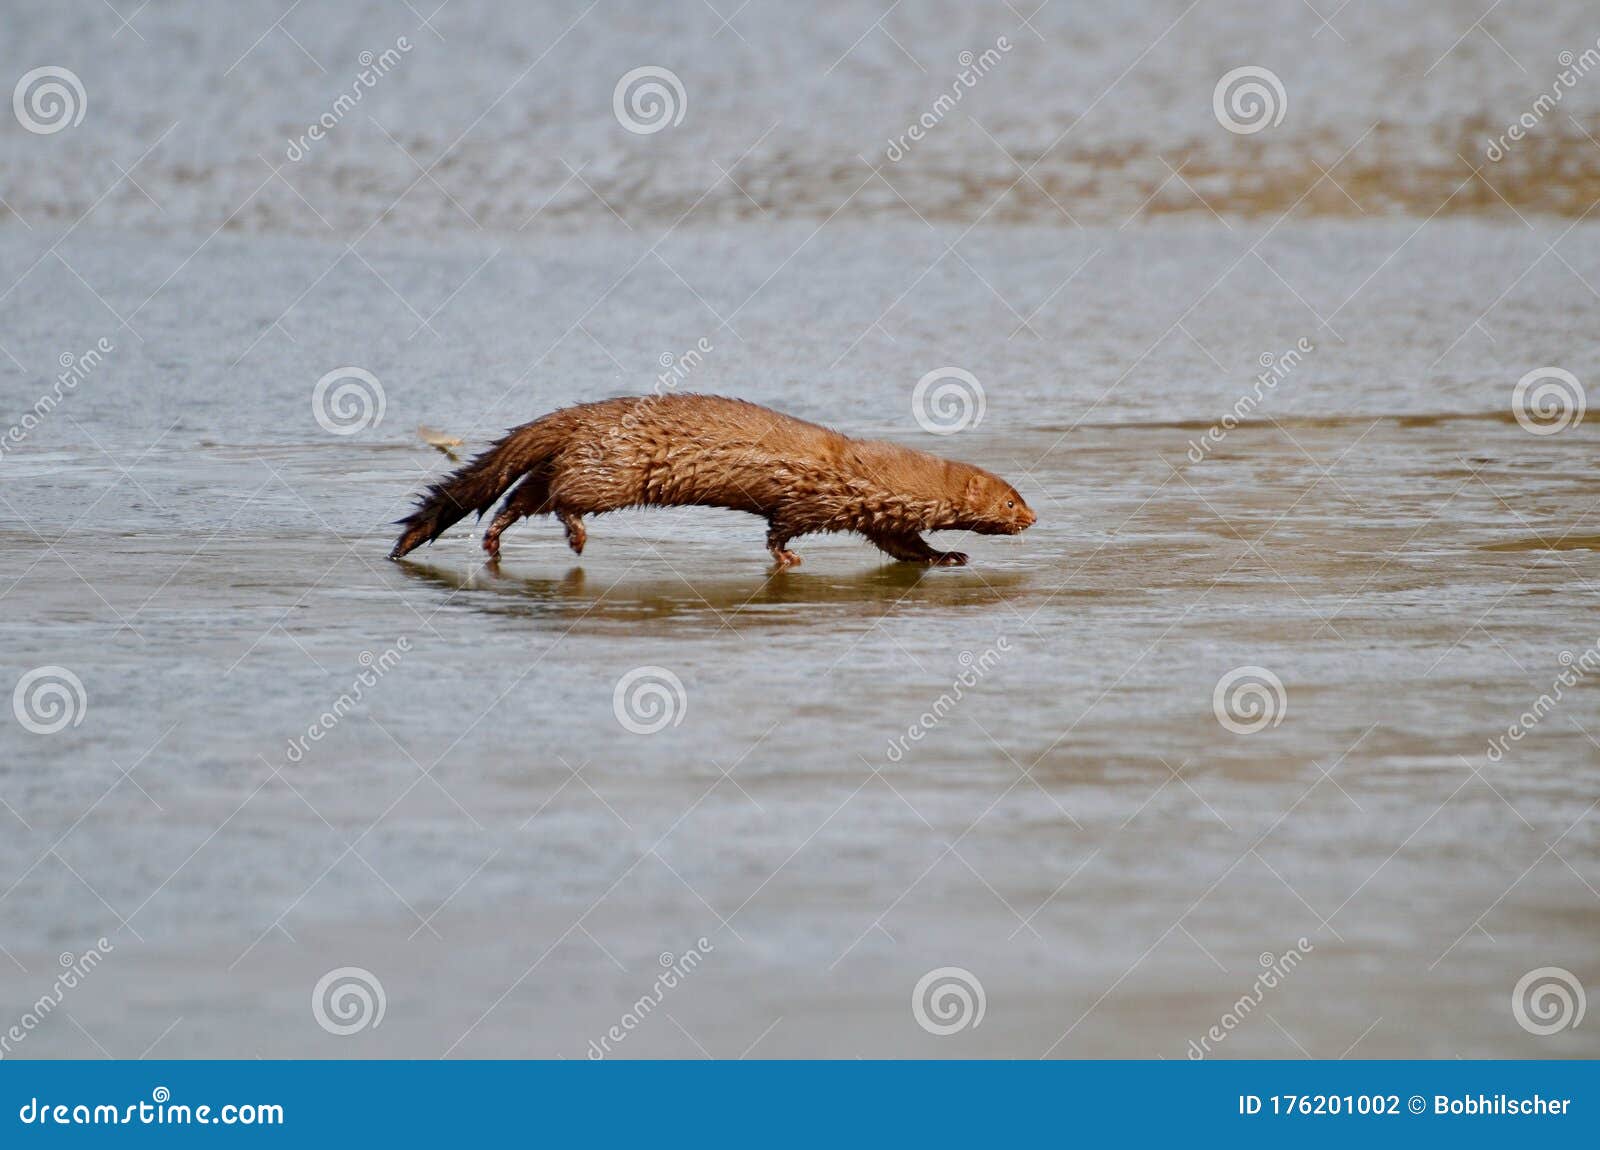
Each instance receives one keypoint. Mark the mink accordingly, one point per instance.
(677, 450)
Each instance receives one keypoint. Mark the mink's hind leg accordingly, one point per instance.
(576, 535)
(912, 548)
(531, 497)
(776, 538)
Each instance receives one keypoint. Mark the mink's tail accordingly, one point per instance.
(475, 487)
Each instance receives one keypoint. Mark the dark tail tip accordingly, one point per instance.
(414, 536)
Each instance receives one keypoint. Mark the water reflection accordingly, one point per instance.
(772, 596)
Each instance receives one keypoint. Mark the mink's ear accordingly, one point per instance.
(973, 491)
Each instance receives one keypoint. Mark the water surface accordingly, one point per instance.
(1078, 830)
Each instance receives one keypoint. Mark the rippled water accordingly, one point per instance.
(1085, 115)
(1379, 545)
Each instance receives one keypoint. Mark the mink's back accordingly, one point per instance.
(683, 449)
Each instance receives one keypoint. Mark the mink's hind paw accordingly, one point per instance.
(784, 559)
(949, 559)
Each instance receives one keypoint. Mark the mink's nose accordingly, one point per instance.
(1030, 518)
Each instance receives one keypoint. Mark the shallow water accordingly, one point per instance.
(1078, 830)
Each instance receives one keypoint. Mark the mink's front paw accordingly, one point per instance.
(950, 559)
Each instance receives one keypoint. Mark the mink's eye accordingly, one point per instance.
(1011, 503)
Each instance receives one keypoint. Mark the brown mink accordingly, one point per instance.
(676, 450)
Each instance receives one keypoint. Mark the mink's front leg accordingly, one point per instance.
(913, 548)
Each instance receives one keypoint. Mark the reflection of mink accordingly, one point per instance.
(677, 450)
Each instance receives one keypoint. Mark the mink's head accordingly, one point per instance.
(991, 506)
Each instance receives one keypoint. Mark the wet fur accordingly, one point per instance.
(679, 450)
